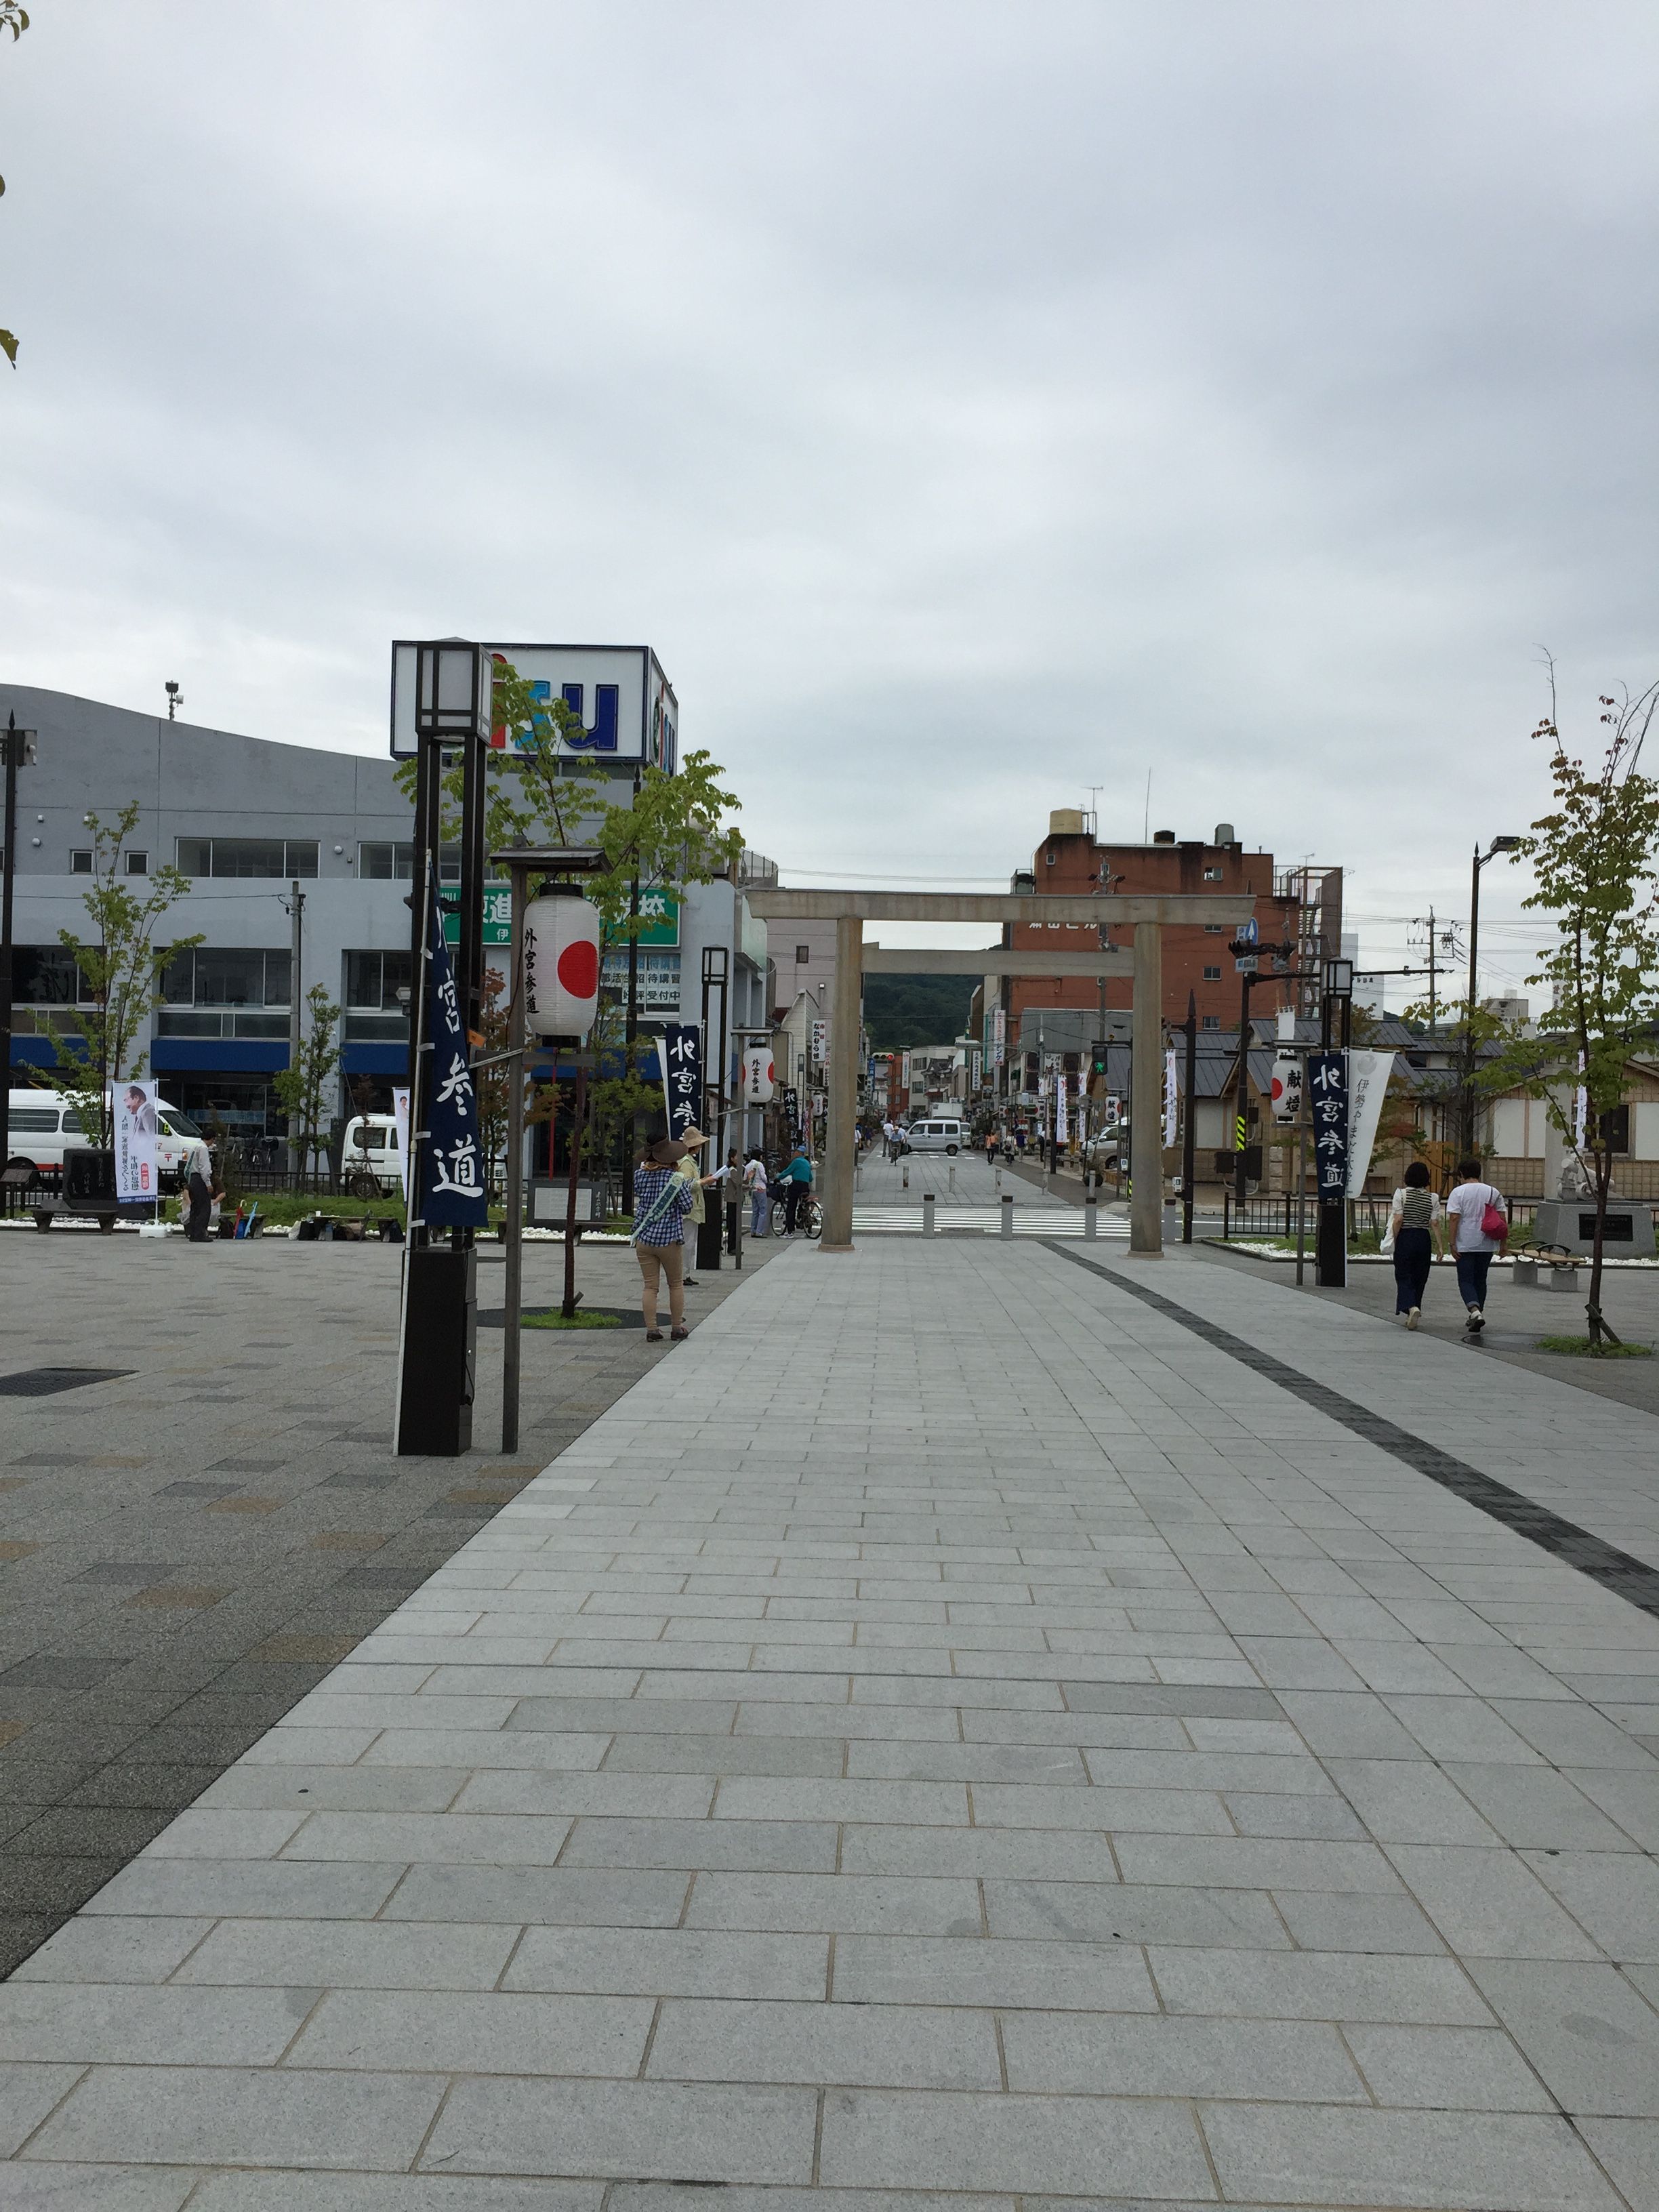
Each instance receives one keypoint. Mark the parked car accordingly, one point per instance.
(370, 1148)
(940, 1136)
(46, 1125)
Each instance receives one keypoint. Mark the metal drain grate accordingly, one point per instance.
(47, 1382)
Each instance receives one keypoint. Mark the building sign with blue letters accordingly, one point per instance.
(626, 705)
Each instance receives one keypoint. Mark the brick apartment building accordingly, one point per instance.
(1303, 905)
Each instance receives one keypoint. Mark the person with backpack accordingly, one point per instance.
(1479, 1228)
(1415, 1226)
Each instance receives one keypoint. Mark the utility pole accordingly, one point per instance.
(20, 753)
(1189, 1128)
(296, 904)
(1498, 845)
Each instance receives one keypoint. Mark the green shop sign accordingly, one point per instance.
(659, 917)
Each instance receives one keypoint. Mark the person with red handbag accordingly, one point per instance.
(1479, 1224)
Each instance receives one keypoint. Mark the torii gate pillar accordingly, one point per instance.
(1147, 1096)
(840, 1136)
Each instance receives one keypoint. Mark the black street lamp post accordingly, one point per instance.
(20, 753)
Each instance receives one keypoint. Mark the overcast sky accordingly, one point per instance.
(971, 404)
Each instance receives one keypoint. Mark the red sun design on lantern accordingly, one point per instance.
(579, 969)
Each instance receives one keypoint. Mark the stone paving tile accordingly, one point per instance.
(1042, 1757)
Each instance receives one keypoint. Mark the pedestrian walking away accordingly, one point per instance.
(990, 1148)
(797, 1178)
(662, 1199)
(1414, 1224)
(754, 1181)
(1479, 1228)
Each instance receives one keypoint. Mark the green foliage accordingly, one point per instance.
(301, 1087)
(582, 1318)
(121, 962)
(902, 1010)
(1595, 857)
(1587, 1347)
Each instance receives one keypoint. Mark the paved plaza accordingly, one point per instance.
(187, 1548)
(983, 1721)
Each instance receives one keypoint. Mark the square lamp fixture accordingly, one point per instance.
(451, 690)
(1339, 979)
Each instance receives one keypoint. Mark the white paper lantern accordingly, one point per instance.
(560, 966)
(759, 1076)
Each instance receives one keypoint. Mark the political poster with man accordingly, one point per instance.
(135, 1127)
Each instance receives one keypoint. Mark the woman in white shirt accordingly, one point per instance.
(1414, 1225)
(1473, 1244)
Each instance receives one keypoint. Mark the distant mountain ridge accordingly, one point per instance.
(901, 1011)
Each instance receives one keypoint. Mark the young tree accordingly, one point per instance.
(1596, 855)
(301, 1087)
(121, 963)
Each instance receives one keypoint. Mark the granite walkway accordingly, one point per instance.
(954, 1730)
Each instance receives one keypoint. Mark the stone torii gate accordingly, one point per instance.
(1149, 916)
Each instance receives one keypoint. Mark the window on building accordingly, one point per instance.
(1214, 928)
(1615, 1129)
(1212, 875)
(81, 863)
(1213, 974)
(47, 976)
(375, 1013)
(1209, 1021)
(274, 858)
(137, 864)
(226, 991)
(802, 954)
(395, 863)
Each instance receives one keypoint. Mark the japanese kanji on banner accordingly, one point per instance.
(1328, 1091)
(452, 1179)
(679, 1050)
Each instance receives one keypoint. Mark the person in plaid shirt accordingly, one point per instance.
(661, 1201)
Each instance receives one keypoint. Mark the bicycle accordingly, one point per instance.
(809, 1221)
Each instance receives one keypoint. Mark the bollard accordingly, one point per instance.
(906, 1175)
(953, 1172)
(1007, 1213)
(1088, 1213)
(927, 1213)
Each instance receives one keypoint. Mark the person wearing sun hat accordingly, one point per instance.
(662, 1199)
(691, 1141)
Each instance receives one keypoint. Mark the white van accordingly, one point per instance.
(45, 1126)
(940, 1136)
(371, 1146)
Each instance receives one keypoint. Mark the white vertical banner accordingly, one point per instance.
(1062, 1120)
(1580, 1111)
(1171, 1099)
(400, 1125)
(1367, 1082)
(135, 1140)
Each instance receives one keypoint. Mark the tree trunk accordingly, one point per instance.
(1602, 1158)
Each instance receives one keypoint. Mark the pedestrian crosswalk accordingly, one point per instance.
(984, 1221)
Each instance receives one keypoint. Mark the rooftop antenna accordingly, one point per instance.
(1095, 790)
(175, 698)
(1146, 819)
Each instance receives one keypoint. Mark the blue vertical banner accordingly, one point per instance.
(452, 1184)
(679, 1050)
(1328, 1096)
